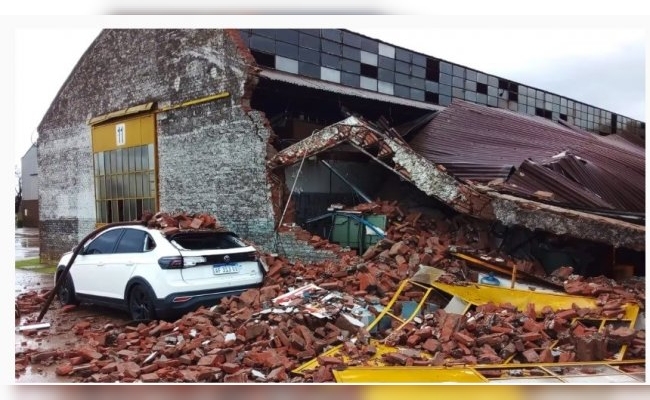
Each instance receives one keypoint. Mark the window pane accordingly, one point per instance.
(152, 183)
(107, 187)
(133, 214)
(97, 192)
(100, 160)
(100, 186)
(152, 160)
(114, 211)
(149, 205)
(138, 158)
(114, 194)
(95, 164)
(132, 185)
(120, 191)
(107, 162)
(146, 191)
(104, 243)
(120, 210)
(138, 184)
(113, 161)
(131, 242)
(132, 159)
(119, 160)
(145, 157)
(138, 207)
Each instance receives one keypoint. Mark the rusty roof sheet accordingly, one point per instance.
(581, 169)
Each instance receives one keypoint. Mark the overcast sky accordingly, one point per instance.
(602, 67)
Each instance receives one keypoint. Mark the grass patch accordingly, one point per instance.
(34, 264)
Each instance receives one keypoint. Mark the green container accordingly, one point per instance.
(348, 232)
(371, 237)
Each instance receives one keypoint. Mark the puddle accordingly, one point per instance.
(27, 243)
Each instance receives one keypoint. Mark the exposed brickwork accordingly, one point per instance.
(57, 237)
(295, 248)
(211, 156)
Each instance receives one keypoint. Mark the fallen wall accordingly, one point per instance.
(471, 200)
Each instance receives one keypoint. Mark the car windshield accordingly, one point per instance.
(206, 240)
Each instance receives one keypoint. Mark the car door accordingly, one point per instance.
(94, 261)
(130, 253)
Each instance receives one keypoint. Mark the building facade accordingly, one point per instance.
(186, 120)
(358, 61)
(29, 185)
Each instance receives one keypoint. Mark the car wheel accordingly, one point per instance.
(66, 292)
(141, 304)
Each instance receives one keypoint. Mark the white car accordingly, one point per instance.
(152, 275)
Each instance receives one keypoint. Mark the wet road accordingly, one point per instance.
(27, 243)
(60, 335)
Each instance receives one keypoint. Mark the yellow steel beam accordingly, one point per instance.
(407, 375)
(194, 102)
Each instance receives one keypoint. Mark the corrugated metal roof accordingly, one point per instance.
(581, 169)
(341, 89)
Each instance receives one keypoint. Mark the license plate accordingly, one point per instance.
(222, 269)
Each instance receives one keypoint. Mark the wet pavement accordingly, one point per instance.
(27, 243)
(60, 335)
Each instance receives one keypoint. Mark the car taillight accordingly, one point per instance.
(171, 262)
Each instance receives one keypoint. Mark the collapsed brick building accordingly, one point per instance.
(238, 124)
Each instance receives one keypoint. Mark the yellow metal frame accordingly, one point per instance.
(472, 294)
(468, 374)
(408, 375)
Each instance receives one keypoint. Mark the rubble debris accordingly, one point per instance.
(172, 223)
(302, 311)
(466, 197)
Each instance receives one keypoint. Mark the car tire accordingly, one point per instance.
(66, 293)
(140, 303)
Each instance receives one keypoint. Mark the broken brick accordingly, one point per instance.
(148, 378)
(64, 369)
(230, 368)
(530, 356)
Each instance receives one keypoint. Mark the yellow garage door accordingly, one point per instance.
(125, 172)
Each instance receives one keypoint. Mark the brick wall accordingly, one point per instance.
(218, 168)
(290, 246)
(211, 156)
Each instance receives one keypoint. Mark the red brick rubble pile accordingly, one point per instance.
(303, 310)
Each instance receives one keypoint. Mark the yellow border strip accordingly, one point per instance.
(194, 102)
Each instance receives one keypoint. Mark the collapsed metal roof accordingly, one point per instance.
(390, 150)
(580, 169)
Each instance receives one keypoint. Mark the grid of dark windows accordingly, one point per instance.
(125, 183)
(351, 59)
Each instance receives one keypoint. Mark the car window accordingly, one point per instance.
(104, 243)
(207, 240)
(133, 241)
